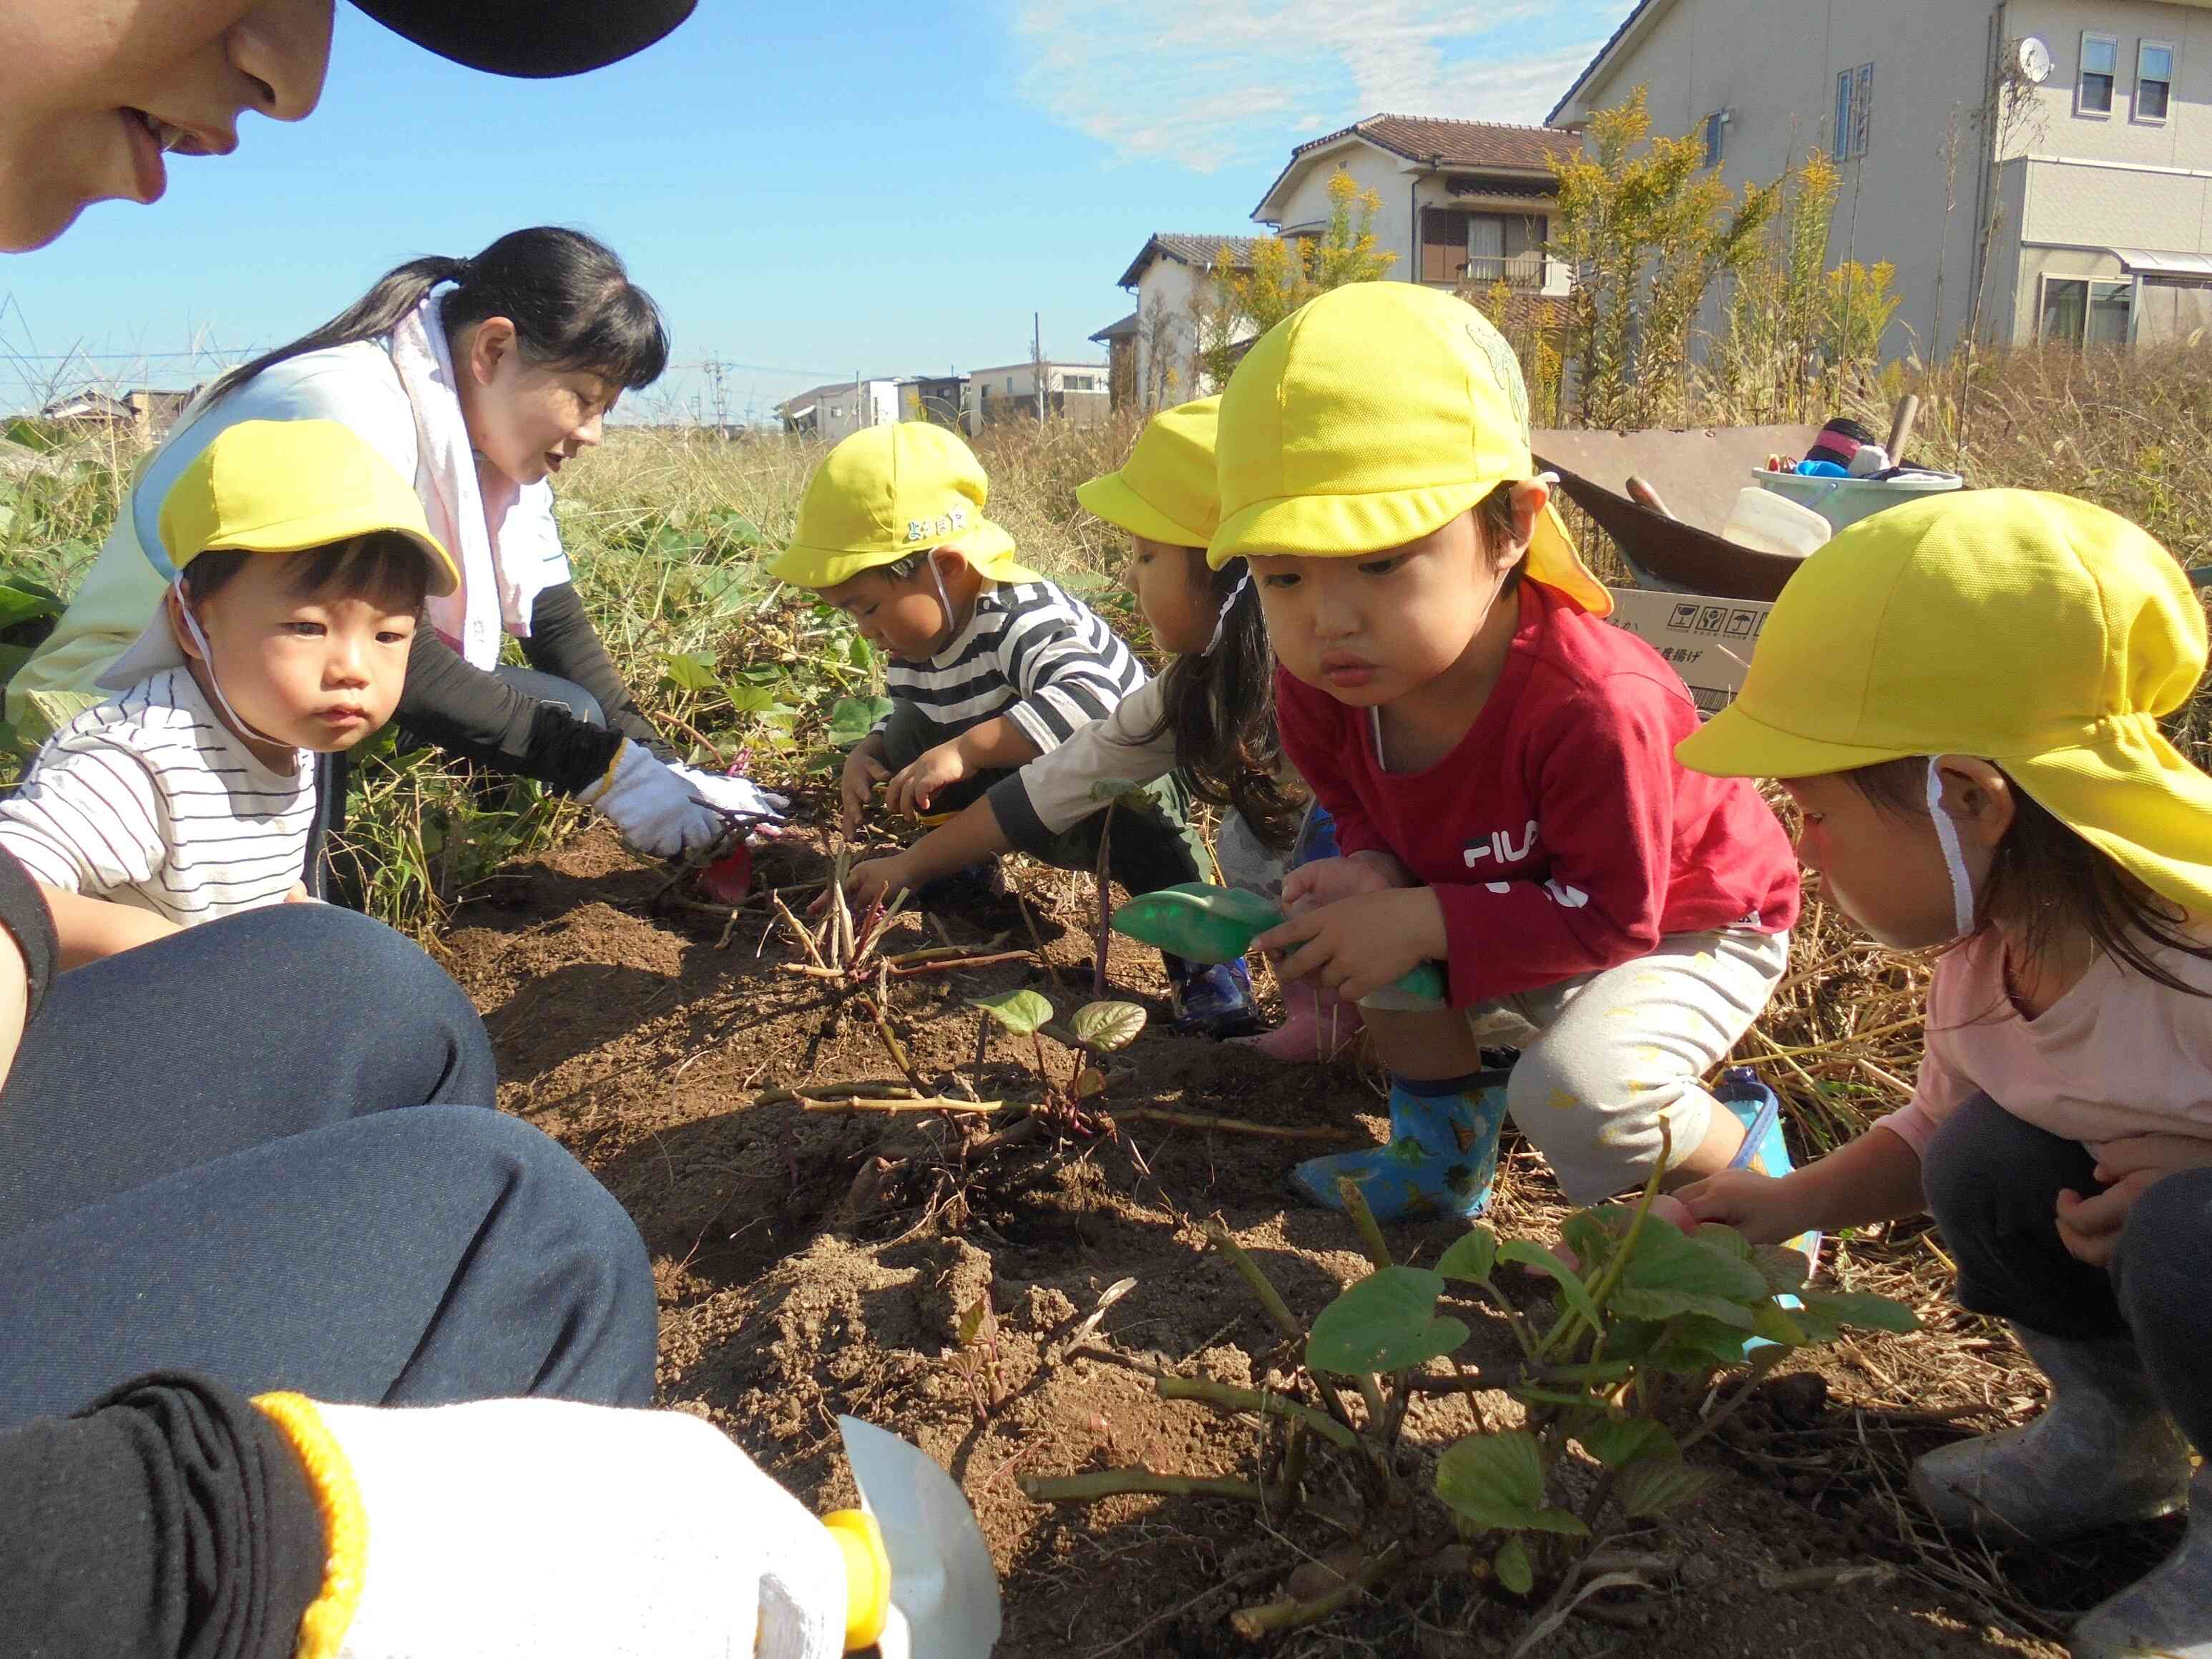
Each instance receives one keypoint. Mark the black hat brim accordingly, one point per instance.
(536, 40)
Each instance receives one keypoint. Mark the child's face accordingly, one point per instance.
(316, 671)
(1882, 868)
(1172, 591)
(1369, 631)
(907, 619)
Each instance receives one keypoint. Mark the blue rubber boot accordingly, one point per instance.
(1211, 999)
(1442, 1159)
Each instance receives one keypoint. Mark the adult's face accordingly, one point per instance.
(92, 91)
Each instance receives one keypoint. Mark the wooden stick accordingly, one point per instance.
(1900, 429)
(1235, 1125)
(943, 965)
(835, 1091)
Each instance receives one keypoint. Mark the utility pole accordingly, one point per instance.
(717, 391)
(1037, 359)
(856, 402)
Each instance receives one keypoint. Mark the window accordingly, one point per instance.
(1010, 385)
(2100, 65)
(1482, 247)
(1716, 134)
(2153, 79)
(1079, 383)
(1854, 111)
(2086, 310)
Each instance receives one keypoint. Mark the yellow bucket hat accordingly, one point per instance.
(1368, 418)
(2035, 631)
(887, 491)
(279, 487)
(1167, 490)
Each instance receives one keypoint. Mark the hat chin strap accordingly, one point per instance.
(1221, 617)
(238, 723)
(1955, 856)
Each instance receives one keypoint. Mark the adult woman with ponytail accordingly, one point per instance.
(478, 379)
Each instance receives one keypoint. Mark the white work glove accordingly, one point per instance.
(734, 793)
(547, 1529)
(657, 810)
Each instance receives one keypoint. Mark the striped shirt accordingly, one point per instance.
(1046, 661)
(149, 799)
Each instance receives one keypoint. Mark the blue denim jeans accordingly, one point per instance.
(262, 1151)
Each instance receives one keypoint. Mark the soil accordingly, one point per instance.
(814, 1263)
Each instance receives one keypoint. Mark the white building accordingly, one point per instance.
(842, 407)
(2079, 131)
(1075, 391)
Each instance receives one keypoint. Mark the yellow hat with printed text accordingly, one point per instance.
(1371, 416)
(2041, 633)
(890, 491)
(1167, 490)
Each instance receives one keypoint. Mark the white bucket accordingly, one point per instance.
(1843, 501)
(1769, 523)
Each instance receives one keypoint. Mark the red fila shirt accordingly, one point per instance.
(1561, 835)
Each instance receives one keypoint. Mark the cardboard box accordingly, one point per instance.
(1708, 641)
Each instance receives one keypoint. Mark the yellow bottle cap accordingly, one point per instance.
(868, 1576)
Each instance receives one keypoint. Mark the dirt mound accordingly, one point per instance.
(1004, 1303)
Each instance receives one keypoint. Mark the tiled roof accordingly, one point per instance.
(1198, 251)
(1126, 329)
(1444, 143)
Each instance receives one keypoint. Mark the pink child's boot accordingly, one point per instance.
(1319, 1025)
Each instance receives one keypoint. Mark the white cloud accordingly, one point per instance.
(1209, 83)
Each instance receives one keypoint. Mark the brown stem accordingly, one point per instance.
(1038, 939)
(931, 1103)
(1114, 1483)
(1266, 1620)
(1105, 902)
(1250, 1399)
(1279, 1312)
(1229, 1125)
(1363, 1220)
(890, 1042)
(1763, 1362)
(798, 931)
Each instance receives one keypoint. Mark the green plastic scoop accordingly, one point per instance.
(1206, 923)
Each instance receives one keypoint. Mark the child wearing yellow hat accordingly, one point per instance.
(1499, 763)
(1962, 697)
(990, 668)
(303, 560)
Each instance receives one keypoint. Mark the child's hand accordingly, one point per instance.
(2089, 1228)
(878, 881)
(864, 770)
(911, 791)
(1356, 945)
(1326, 881)
(1763, 1208)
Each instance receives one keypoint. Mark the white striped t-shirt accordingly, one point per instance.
(149, 799)
(1046, 661)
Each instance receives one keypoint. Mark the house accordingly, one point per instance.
(938, 398)
(1463, 204)
(2044, 166)
(140, 411)
(842, 407)
(1075, 391)
(1120, 339)
(1168, 278)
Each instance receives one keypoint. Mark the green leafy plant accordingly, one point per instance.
(1093, 1031)
(1615, 1383)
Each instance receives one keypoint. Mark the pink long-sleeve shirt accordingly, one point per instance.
(2117, 1056)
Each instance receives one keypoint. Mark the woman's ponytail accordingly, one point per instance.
(1220, 706)
(568, 297)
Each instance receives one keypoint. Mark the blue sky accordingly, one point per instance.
(808, 190)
